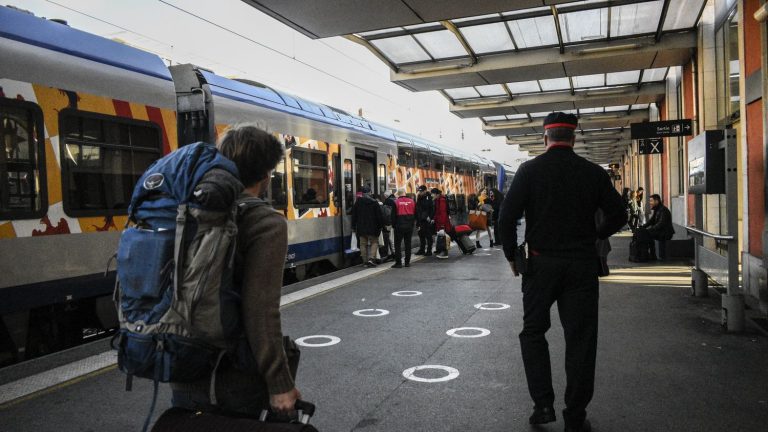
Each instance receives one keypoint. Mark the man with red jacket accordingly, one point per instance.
(403, 219)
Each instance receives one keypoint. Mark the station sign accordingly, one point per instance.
(662, 129)
(650, 146)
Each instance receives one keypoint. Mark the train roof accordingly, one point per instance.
(27, 28)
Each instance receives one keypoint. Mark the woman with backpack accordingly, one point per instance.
(262, 243)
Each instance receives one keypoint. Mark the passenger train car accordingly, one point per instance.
(82, 117)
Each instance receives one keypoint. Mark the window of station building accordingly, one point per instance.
(423, 159)
(382, 178)
(310, 178)
(349, 195)
(279, 186)
(727, 69)
(22, 175)
(102, 159)
(405, 156)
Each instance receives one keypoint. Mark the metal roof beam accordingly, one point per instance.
(543, 63)
(560, 101)
(586, 121)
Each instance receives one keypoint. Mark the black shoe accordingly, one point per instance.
(429, 253)
(585, 427)
(477, 244)
(542, 415)
(407, 265)
(419, 252)
(491, 244)
(397, 265)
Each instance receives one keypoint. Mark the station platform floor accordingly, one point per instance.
(664, 362)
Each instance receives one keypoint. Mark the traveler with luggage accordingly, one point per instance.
(367, 223)
(425, 214)
(557, 261)
(387, 250)
(403, 221)
(442, 220)
(658, 229)
(478, 217)
(262, 243)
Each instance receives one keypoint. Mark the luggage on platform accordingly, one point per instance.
(465, 243)
(478, 220)
(183, 420)
(638, 250)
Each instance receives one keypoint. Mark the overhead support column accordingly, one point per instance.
(599, 57)
(628, 95)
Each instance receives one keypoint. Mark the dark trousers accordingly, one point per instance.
(425, 236)
(648, 240)
(573, 285)
(403, 236)
(496, 232)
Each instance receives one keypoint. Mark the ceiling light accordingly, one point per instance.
(609, 48)
(606, 92)
(502, 124)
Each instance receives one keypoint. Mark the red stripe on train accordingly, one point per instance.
(122, 108)
(156, 116)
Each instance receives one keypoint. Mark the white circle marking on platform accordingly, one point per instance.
(370, 312)
(492, 306)
(410, 373)
(332, 340)
(481, 332)
(406, 293)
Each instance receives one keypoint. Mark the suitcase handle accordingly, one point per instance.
(304, 412)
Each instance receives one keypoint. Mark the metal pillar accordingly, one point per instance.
(733, 300)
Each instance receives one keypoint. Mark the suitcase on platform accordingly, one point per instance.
(465, 243)
(637, 251)
(183, 420)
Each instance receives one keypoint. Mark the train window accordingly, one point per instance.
(461, 167)
(437, 161)
(382, 178)
(279, 186)
(310, 178)
(405, 156)
(349, 195)
(102, 159)
(449, 164)
(22, 175)
(422, 159)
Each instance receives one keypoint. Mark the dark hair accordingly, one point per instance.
(656, 197)
(254, 152)
(560, 134)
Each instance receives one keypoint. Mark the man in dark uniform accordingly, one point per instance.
(559, 193)
(425, 214)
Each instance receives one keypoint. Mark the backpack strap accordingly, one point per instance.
(246, 203)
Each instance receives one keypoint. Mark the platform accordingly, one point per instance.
(664, 363)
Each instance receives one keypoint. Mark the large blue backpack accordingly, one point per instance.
(178, 307)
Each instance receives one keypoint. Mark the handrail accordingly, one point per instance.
(707, 234)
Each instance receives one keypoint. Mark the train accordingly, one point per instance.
(83, 116)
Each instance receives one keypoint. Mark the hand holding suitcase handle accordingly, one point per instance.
(304, 411)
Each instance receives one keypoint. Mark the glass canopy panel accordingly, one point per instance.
(534, 32)
(488, 38)
(381, 32)
(640, 106)
(617, 108)
(491, 90)
(524, 87)
(619, 78)
(650, 75)
(462, 93)
(583, 81)
(425, 25)
(473, 18)
(584, 25)
(539, 115)
(555, 84)
(590, 110)
(442, 44)
(682, 14)
(517, 116)
(494, 118)
(401, 49)
(635, 18)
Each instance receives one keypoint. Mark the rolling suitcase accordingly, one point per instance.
(463, 241)
(183, 420)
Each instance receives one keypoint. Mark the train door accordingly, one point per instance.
(365, 171)
(347, 184)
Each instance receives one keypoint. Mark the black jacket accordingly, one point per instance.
(366, 217)
(425, 208)
(559, 193)
(390, 202)
(660, 224)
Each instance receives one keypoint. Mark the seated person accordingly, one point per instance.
(309, 197)
(659, 228)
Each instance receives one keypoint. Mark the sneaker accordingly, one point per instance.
(372, 263)
(407, 265)
(397, 265)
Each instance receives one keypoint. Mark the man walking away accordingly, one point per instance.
(561, 264)
(425, 215)
(402, 220)
(659, 228)
(442, 218)
(367, 222)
